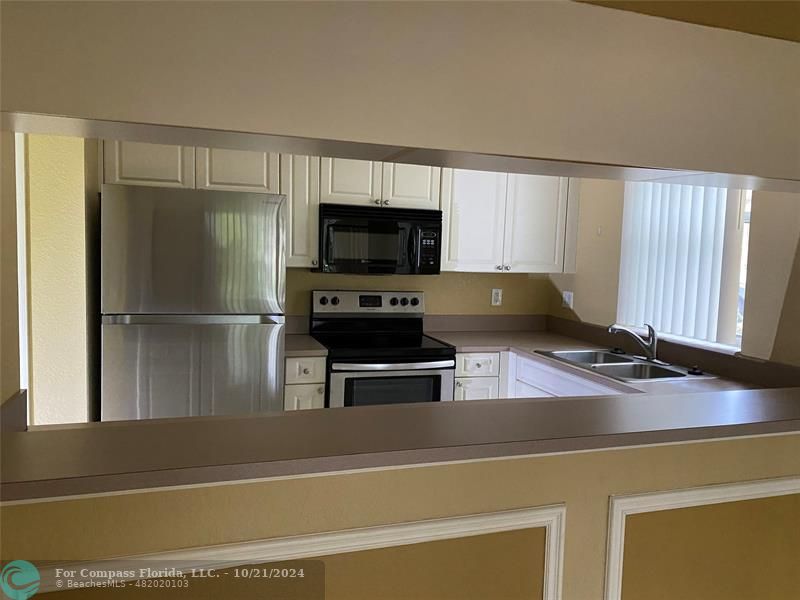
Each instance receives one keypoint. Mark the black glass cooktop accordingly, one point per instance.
(381, 345)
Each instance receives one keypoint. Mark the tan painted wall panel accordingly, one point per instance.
(498, 566)
(556, 80)
(164, 520)
(733, 551)
(445, 294)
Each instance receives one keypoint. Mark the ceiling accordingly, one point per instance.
(760, 17)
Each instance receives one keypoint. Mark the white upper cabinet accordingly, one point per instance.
(536, 213)
(238, 170)
(346, 181)
(363, 182)
(300, 183)
(411, 186)
(504, 222)
(140, 163)
(473, 205)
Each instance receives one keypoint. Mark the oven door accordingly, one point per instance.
(365, 384)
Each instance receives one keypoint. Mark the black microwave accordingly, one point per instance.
(373, 240)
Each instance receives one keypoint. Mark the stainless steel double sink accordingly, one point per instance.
(622, 367)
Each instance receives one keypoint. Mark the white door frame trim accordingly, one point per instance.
(622, 506)
(552, 518)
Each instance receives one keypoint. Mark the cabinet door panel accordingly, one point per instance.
(237, 170)
(411, 186)
(536, 215)
(300, 183)
(557, 381)
(473, 205)
(476, 388)
(140, 163)
(525, 390)
(301, 397)
(346, 181)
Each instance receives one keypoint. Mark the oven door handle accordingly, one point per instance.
(442, 364)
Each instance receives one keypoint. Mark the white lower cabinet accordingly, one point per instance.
(301, 397)
(537, 378)
(305, 383)
(476, 388)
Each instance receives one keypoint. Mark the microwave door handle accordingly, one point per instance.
(415, 241)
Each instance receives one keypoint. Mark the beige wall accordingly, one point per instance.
(184, 518)
(57, 293)
(9, 316)
(445, 294)
(557, 80)
(733, 551)
(595, 282)
(774, 235)
(787, 338)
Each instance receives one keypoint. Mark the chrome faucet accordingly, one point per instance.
(649, 346)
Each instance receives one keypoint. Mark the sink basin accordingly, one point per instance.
(591, 357)
(637, 371)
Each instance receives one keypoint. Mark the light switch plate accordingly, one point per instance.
(497, 296)
(567, 299)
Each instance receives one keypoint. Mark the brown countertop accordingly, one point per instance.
(103, 457)
(297, 345)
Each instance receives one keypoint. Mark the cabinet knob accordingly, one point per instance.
(386, 203)
(314, 262)
(459, 384)
(306, 371)
(507, 267)
(499, 267)
(321, 391)
(477, 365)
(378, 202)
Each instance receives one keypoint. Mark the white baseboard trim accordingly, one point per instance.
(622, 506)
(552, 518)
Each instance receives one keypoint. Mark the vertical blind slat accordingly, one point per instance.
(671, 263)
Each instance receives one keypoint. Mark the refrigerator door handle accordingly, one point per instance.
(193, 319)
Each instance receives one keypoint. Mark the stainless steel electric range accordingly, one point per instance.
(377, 351)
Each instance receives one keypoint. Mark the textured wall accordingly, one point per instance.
(445, 294)
(555, 80)
(56, 230)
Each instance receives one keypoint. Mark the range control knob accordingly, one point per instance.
(335, 300)
(394, 301)
(414, 301)
(404, 301)
(323, 300)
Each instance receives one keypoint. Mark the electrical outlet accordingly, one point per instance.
(497, 297)
(566, 299)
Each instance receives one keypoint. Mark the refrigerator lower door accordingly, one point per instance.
(180, 369)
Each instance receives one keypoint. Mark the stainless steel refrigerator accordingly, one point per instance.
(192, 301)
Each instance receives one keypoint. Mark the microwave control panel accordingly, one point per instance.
(429, 250)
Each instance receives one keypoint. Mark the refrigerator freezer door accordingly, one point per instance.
(160, 369)
(173, 251)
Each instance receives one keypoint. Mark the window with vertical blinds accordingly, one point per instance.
(680, 260)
